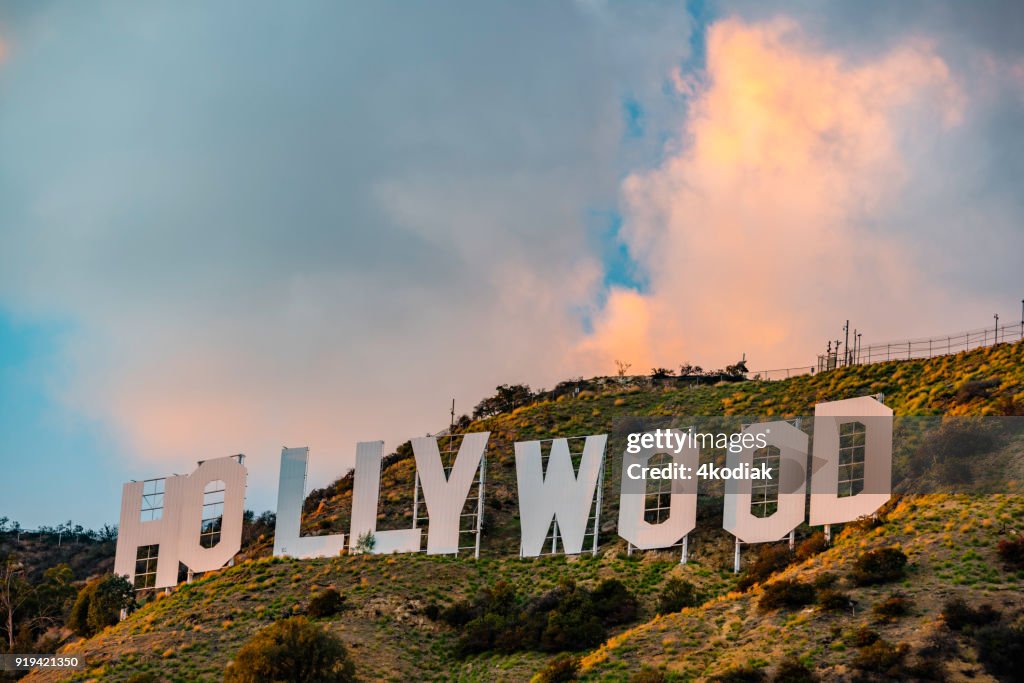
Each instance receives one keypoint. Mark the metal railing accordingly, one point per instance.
(780, 373)
(928, 347)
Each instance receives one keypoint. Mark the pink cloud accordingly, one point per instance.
(769, 225)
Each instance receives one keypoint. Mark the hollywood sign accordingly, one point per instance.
(196, 520)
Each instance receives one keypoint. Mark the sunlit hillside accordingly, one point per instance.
(390, 621)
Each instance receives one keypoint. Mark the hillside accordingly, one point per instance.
(950, 540)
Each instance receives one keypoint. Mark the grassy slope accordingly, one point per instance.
(190, 635)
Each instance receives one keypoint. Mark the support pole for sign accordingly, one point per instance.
(597, 513)
(416, 500)
(828, 533)
(629, 549)
(685, 555)
(480, 506)
(736, 559)
(554, 537)
(792, 539)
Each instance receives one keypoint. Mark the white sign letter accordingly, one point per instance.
(291, 493)
(445, 496)
(852, 472)
(763, 510)
(365, 495)
(558, 493)
(682, 516)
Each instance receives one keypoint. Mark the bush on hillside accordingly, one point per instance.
(770, 559)
(325, 604)
(882, 657)
(863, 637)
(825, 580)
(1000, 649)
(960, 616)
(567, 618)
(558, 670)
(676, 595)
(789, 593)
(879, 566)
(649, 675)
(99, 604)
(506, 399)
(613, 603)
(811, 546)
(895, 606)
(835, 601)
(740, 674)
(792, 670)
(1011, 551)
(294, 650)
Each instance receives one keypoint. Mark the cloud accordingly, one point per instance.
(274, 227)
(800, 191)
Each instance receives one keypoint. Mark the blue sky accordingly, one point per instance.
(236, 227)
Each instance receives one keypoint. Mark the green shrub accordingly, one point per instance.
(895, 606)
(1011, 550)
(676, 595)
(959, 616)
(1000, 649)
(325, 604)
(881, 657)
(825, 580)
(789, 593)
(863, 637)
(740, 674)
(792, 670)
(99, 604)
(558, 670)
(770, 559)
(879, 566)
(613, 603)
(143, 677)
(811, 546)
(294, 650)
(649, 675)
(567, 618)
(835, 601)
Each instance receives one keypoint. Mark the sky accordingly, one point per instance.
(232, 227)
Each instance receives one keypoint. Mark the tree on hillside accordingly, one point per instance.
(622, 367)
(15, 594)
(99, 604)
(661, 373)
(294, 650)
(508, 398)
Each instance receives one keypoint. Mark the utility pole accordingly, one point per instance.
(846, 344)
(996, 316)
(858, 346)
(451, 428)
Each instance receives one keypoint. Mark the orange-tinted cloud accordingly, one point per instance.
(766, 229)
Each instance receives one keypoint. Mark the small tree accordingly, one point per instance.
(99, 604)
(622, 367)
(15, 594)
(558, 670)
(879, 566)
(661, 373)
(676, 595)
(294, 650)
(366, 542)
(326, 604)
